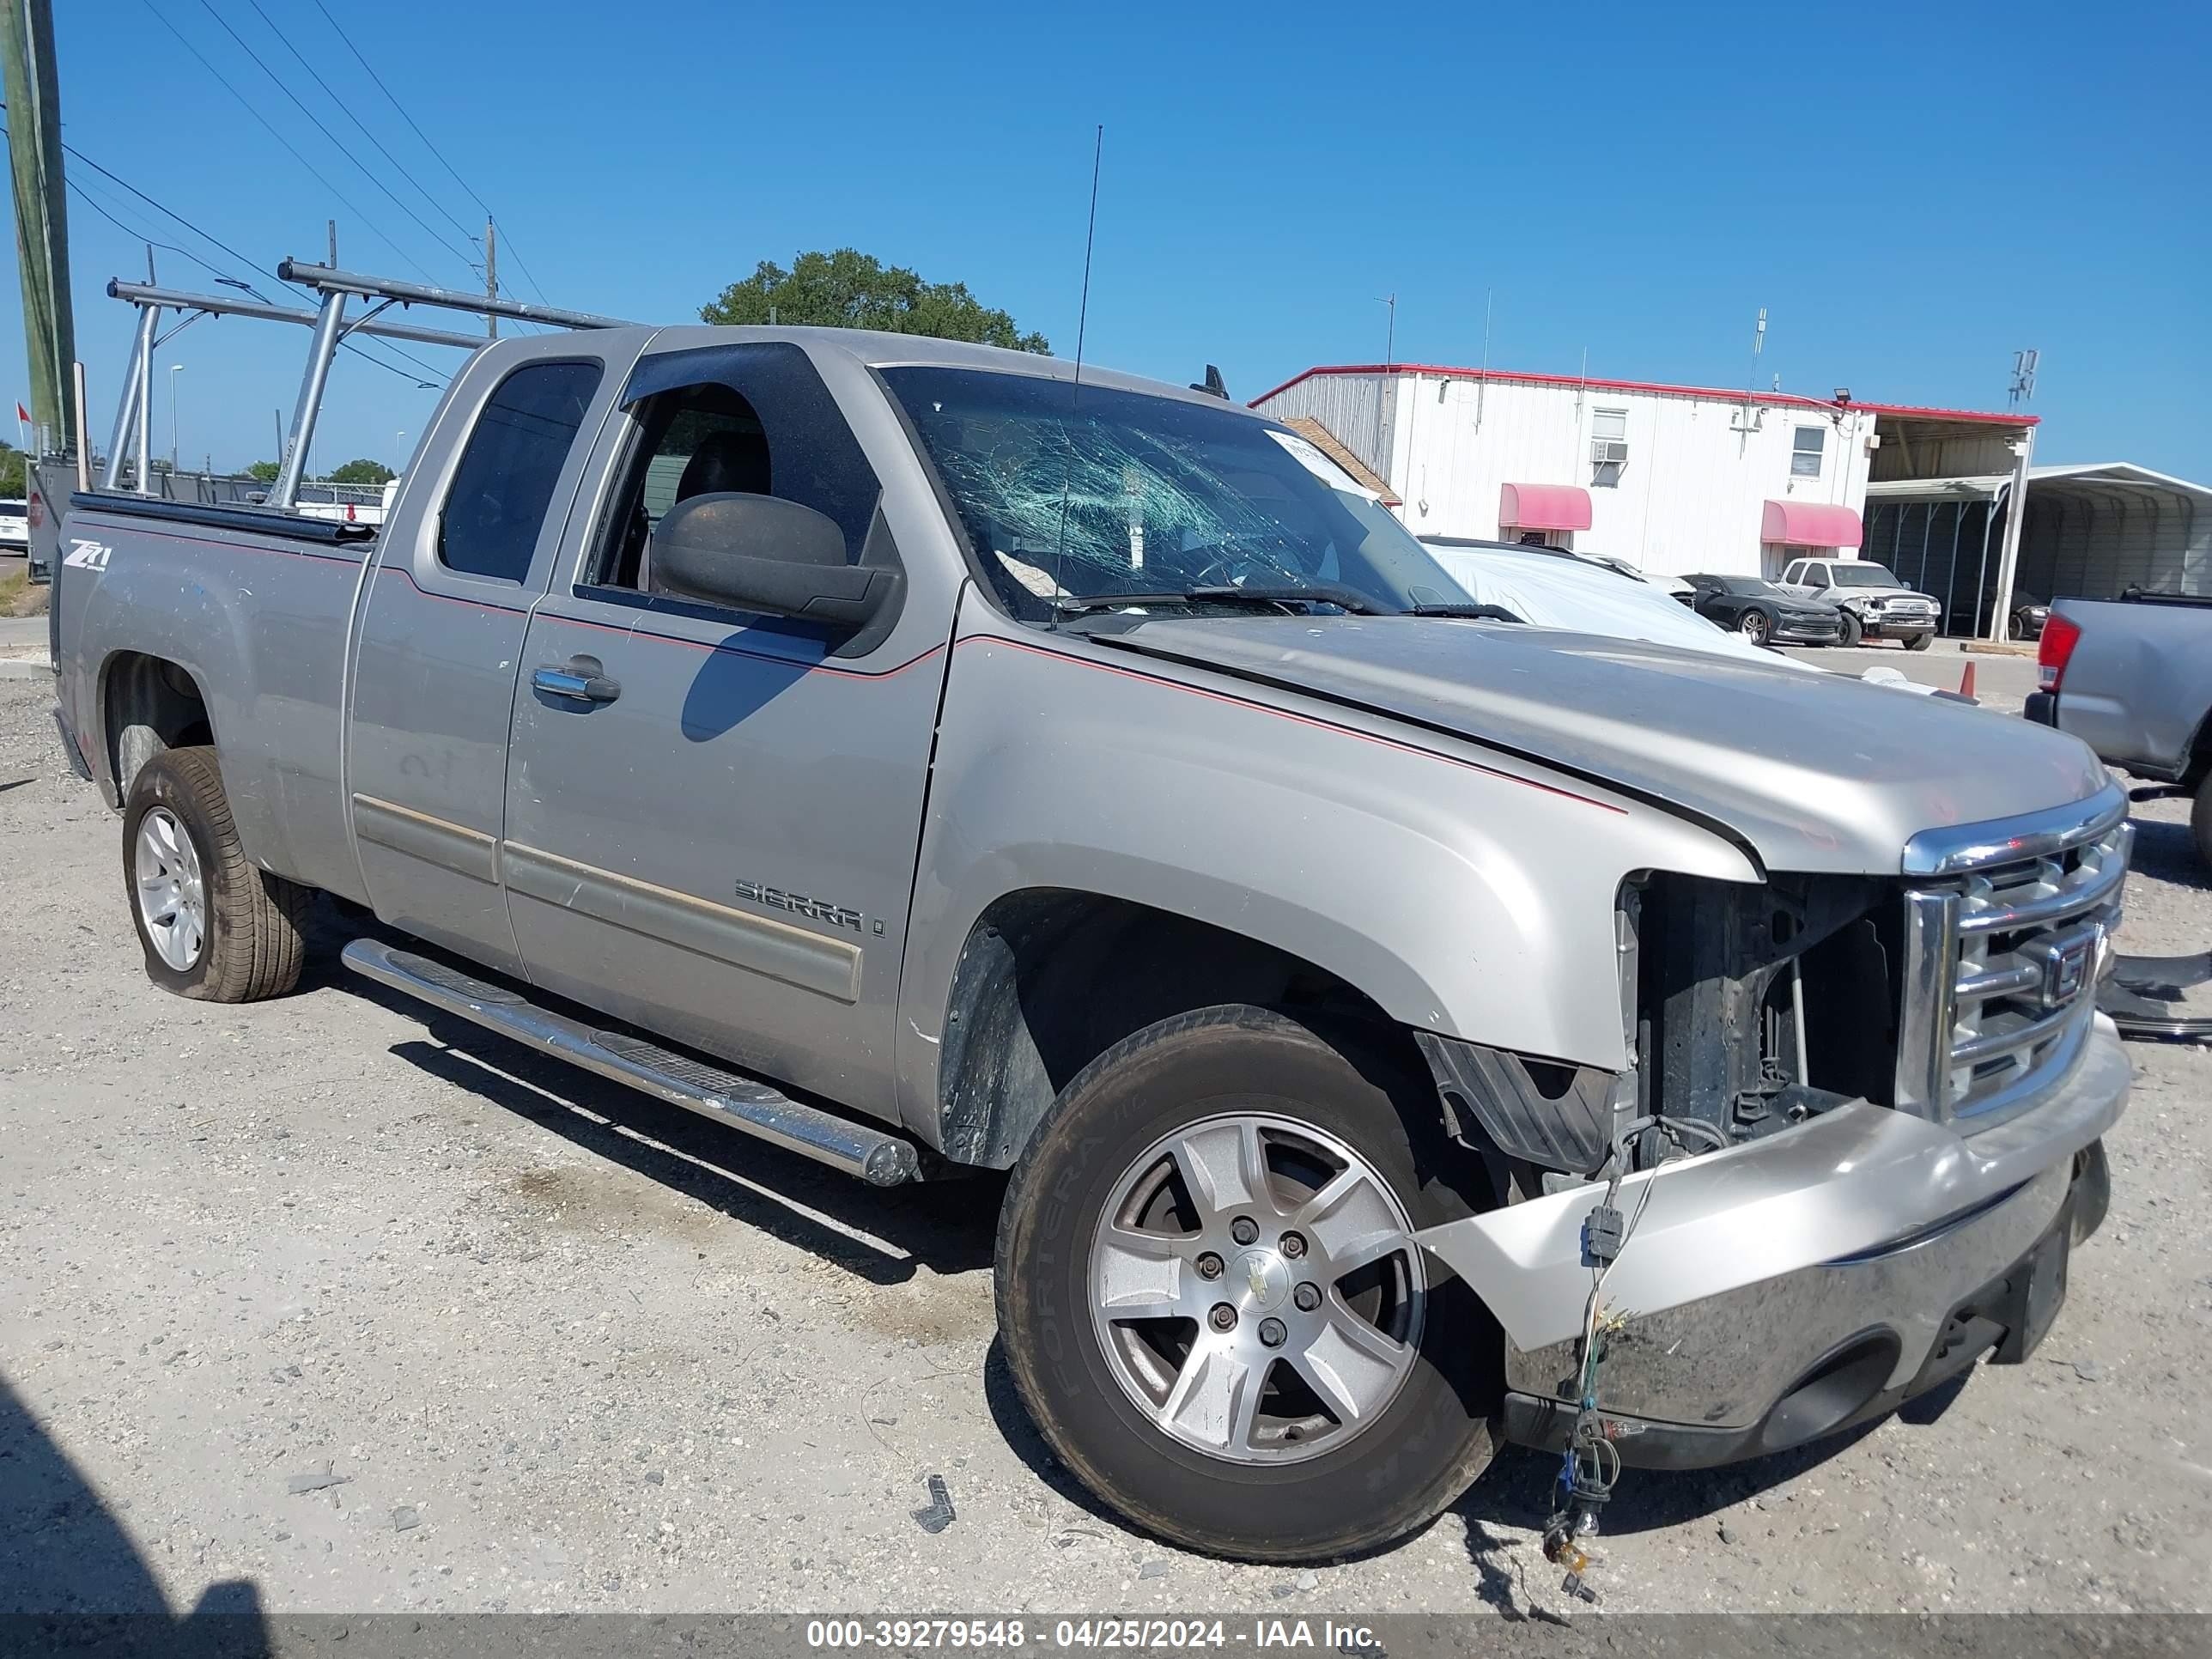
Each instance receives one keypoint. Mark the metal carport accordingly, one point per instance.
(2091, 530)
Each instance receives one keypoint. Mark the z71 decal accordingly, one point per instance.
(88, 556)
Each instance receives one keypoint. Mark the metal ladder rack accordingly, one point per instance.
(133, 429)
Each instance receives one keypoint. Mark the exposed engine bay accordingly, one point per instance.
(1746, 1010)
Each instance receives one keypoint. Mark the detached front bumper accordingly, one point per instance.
(1784, 1289)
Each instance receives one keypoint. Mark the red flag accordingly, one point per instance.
(23, 414)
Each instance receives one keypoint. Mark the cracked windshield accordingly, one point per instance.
(1081, 493)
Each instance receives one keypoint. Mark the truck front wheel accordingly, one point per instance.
(213, 927)
(1211, 1303)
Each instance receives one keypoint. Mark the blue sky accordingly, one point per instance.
(1912, 192)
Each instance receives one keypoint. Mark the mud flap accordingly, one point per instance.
(2036, 1290)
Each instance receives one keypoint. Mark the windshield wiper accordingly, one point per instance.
(1335, 593)
(1464, 612)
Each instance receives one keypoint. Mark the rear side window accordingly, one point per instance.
(500, 489)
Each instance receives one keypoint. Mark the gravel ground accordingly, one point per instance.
(314, 1305)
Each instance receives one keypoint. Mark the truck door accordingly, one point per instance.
(440, 636)
(712, 816)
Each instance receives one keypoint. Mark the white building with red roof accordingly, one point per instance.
(1675, 479)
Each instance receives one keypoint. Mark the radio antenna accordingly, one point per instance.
(1075, 386)
(1089, 237)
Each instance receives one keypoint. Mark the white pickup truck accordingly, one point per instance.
(1875, 604)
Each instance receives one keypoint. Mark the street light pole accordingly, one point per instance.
(175, 369)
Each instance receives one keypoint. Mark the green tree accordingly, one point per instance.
(13, 483)
(852, 289)
(264, 471)
(362, 472)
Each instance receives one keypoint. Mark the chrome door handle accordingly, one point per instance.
(580, 679)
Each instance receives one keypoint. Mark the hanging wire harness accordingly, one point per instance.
(1590, 1467)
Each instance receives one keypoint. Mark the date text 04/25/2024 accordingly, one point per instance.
(1110, 1634)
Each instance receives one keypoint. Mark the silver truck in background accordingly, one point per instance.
(931, 760)
(2132, 679)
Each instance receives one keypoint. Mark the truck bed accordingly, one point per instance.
(2137, 686)
(253, 606)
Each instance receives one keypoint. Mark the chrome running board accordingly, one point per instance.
(879, 1159)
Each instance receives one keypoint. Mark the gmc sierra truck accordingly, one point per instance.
(933, 759)
(2132, 679)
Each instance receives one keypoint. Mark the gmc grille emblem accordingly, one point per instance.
(2067, 963)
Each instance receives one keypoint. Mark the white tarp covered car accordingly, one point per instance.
(1550, 589)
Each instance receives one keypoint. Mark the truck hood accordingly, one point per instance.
(1815, 772)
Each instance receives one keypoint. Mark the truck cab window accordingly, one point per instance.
(497, 502)
(764, 426)
(697, 441)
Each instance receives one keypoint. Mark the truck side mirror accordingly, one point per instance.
(762, 553)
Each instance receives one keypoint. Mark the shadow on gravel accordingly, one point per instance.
(1517, 1491)
(948, 1226)
(1015, 1427)
(71, 1578)
(2167, 852)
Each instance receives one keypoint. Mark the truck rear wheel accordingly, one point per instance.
(1212, 1308)
(213, 927)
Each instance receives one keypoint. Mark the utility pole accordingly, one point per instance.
(34, 133)
(491, 275)
(333, 225)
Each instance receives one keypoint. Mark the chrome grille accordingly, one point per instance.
(2002, 951)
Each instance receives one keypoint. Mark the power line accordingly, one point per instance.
(138, 234)
(392, 98)
(467, 234)
(316, 122)
(250, 109)
(220, 275)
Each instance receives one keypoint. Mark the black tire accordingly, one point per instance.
(2016, 625)
(1755, 625)
(254, 944)
(2200, 819)
(1854, 629)
(1428, 1444)
(1920, 641)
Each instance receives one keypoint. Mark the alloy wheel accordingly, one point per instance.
(171, 894)
(1255, 1289)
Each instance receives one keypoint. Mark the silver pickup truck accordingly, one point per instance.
(2132, 679)
(928, 759)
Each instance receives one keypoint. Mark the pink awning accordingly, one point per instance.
(1544, 506)
(1809, 524)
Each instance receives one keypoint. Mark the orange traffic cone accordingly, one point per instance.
(1966, 681)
